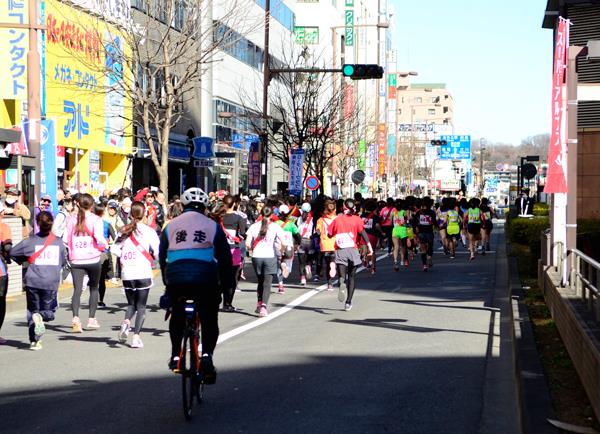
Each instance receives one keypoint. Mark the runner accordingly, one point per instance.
(84, 237)
(488, 225)
(472, 220)
(106, 270)
(291, 239)
(136, 246)
(426, 222)
(306, 250)
(234, 226)
(386, 223)
(347, 228)
(327, 245)
(442, 222)
(400, 220)
(262, 240)
(45, 254)
(374, 232)
(463, 208)
(453, 224)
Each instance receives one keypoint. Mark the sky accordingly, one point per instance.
(494, 56)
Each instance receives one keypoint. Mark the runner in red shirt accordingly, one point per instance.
(347, 228)
(386, 222)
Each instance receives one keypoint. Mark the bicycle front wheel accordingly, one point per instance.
(189, 385)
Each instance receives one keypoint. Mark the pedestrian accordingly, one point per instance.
(45, 254)
(347, 228)
(85, 239)
(136, 247)
(60, 222)
(5, 247)
(263, 237)
(14, 207)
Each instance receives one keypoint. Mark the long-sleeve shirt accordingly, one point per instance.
(45, 271)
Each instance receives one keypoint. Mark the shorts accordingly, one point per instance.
(410, 232)
(373, 240)
(453, 230)
(488, 225)
(426, 238)
(264, 266)
(347, 256)
(400, 232)
(474, 228)
(306, 246)
(137, 284)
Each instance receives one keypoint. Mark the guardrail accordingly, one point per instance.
(552, 250)
(584, 279)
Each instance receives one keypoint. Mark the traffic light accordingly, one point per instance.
(439, 143)
(362, 72)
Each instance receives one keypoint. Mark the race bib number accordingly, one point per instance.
(50, 256)
(83, 244)
(368, 223)
(129, 256)
(345, 240)
(424, 220)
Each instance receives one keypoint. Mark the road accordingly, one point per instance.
(419, 353)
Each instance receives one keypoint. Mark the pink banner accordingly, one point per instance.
(348, 100)
(557, 153)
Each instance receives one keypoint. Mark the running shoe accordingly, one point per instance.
(284, 270)
(101, 304)
(425, 268)
(308, 272)
(209, 372)
(263, 311)
(258, 306)
(430, 262)
(114, 281)
(342, 292)
(76, 325)
(396, 266)
(174, 364)
(3, 341)
(92, 324)
(373, 270)
(228, 308)
(452, 256)
(332, 269)
(472, 257)
(329, 287)
(136, 342)
(242, 275)
(281, 289)
(406, 263)
(316, 279)
(303, 281)
(39, 328)
(124, 332)
(35, 346)
(348, 307)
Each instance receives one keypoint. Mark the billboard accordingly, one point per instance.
(84, 75)
(458, 148)
(14, 44)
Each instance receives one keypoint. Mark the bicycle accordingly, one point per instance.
(192, 378)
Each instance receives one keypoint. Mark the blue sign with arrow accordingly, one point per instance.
(458, 148)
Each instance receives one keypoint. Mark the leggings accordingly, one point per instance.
(136, 299)
(3, 289)
(263, 290)
(387, 230)
(228, 293)
(93, 272)
(347, 273)
(328, 257)
(105, 273)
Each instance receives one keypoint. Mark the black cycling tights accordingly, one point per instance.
(208, 311)
(228, 293)
(136, 300)
(348, 273)
(93, 272)
(2, 309)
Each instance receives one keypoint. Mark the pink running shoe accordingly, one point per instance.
(92, 324)
(263, 311)
(281, 289)
(332, 270)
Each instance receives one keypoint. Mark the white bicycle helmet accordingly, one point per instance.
(194, 195)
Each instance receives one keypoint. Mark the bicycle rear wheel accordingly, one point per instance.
(189, 383)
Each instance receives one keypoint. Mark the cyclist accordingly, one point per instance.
(195, 261)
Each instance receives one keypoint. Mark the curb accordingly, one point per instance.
(533, 394)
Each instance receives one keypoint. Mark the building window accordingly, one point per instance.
(400, 111)
(431, 112)
(281, 13)
(418, 100)
(435, 99)
(445, 109)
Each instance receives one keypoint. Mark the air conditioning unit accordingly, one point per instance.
(593, 48)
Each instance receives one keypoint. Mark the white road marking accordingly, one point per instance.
(288, 307)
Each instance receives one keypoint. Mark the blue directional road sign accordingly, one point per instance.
(458, 148)
(203, 147)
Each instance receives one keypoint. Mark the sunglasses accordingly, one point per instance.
(46, 201)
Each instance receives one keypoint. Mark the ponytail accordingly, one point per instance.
(137, 214)
(85, 203)
(266, 213)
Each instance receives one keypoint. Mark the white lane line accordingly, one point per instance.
(288, 307)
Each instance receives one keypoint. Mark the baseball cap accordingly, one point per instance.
(46, 197)
(284, 209)
(306, 207)
(12, 190)
(112, 204)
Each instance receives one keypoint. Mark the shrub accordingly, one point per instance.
(527, 231)
(541, 209)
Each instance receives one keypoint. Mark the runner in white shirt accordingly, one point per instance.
(136, 247)
(263, 239)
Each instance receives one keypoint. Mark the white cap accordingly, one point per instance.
(306, 207)
(284, 209)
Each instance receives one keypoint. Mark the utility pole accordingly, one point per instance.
(33, 94)
(264, 142)
(481, 179)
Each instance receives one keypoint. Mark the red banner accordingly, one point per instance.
(557, 153)
(348, 100)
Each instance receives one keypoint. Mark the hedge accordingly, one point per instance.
(527, 231)
(541, 209)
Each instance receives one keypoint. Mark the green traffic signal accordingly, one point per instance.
(362, 71)
(348, 70)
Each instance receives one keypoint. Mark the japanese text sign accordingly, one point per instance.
(14, 44)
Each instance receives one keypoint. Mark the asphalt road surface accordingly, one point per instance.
(418, 353)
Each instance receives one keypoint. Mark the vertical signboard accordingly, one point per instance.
(362, 154)
(381, 149)
(349, 21)
(556, 181)
(296, 172)
(48, 175)
(14, 44)
(254, 167)
(95, 187)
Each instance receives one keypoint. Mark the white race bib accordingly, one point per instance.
(50, 256)
(345, 240)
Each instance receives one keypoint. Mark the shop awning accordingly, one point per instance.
(9, 136)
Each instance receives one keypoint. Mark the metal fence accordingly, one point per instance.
(584, 271)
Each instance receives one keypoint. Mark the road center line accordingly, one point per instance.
(288, 307)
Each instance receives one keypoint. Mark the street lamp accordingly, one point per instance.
(481, 179)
